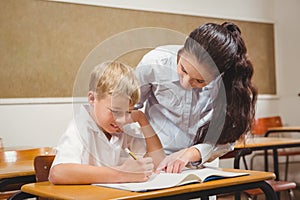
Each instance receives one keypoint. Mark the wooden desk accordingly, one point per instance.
(16, 166)
(256, 179)
(269, 143)
(283, 129)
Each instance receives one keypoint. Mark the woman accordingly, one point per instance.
(199, 97)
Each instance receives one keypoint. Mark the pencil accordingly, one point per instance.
(131, 153)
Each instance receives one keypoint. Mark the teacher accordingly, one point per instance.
(199, 97)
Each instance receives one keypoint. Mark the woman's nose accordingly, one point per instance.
(120, 118)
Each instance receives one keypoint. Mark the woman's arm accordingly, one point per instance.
(199, 154)
(153, 145)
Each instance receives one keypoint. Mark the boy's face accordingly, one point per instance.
(191, 73)
(111, 113)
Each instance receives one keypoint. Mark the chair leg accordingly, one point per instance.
(291, 194)
(252, 160)
(249, 197)
(245, 163)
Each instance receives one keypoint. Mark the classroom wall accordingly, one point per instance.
(46, 43)
(41, 121)
(287, 45)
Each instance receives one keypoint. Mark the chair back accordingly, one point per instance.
(261, 125)
(42, 165)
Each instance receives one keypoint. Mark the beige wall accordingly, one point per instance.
(46, 42)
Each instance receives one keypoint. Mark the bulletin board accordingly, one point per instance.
(44, 43)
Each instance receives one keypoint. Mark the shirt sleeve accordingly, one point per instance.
(210, 152)
(153, 66)
(143, 73)
(69, 148)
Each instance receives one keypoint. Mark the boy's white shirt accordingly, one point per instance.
(84, 143)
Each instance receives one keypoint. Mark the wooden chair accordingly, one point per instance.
(262, 127)
(42, 165)
(273, 126)
(18, 157)
(252, 194)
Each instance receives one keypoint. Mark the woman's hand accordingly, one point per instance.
(175, 162)
(140, 117)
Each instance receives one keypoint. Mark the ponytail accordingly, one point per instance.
(234, 105)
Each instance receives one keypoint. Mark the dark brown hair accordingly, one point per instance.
(222, 49)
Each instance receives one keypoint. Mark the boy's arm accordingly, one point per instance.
(73, 173)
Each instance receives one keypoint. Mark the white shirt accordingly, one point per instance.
(174, 112)
(84, 143)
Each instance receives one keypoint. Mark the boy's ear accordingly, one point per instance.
(91, 97)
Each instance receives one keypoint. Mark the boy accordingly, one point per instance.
(92, 150)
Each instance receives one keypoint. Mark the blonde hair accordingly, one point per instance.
(114, 78)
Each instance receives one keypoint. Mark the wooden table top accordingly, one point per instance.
(285, 128)
(46, 189)
(15, 169)
(267, 142)
(15, 162)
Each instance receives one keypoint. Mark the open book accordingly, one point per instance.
(167, 180)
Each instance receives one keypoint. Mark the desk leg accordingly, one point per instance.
(268, 190)
(266, 161)
(20, 196)
(237, 196)
(275, 160)
(16, 180)
(276, 167)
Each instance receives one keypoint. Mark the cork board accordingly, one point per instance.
(43, 43)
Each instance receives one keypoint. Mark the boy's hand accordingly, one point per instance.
(142, 165)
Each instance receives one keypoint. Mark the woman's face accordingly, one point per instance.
(191, 73)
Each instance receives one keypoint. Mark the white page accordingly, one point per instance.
(166, 180)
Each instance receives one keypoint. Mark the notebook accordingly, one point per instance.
(167, 180)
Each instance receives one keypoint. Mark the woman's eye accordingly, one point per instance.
(115, 112)
(182, 69)
(201, 81)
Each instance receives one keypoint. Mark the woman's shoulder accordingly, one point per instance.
(161, 53)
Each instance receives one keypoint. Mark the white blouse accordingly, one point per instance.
(174, 112)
